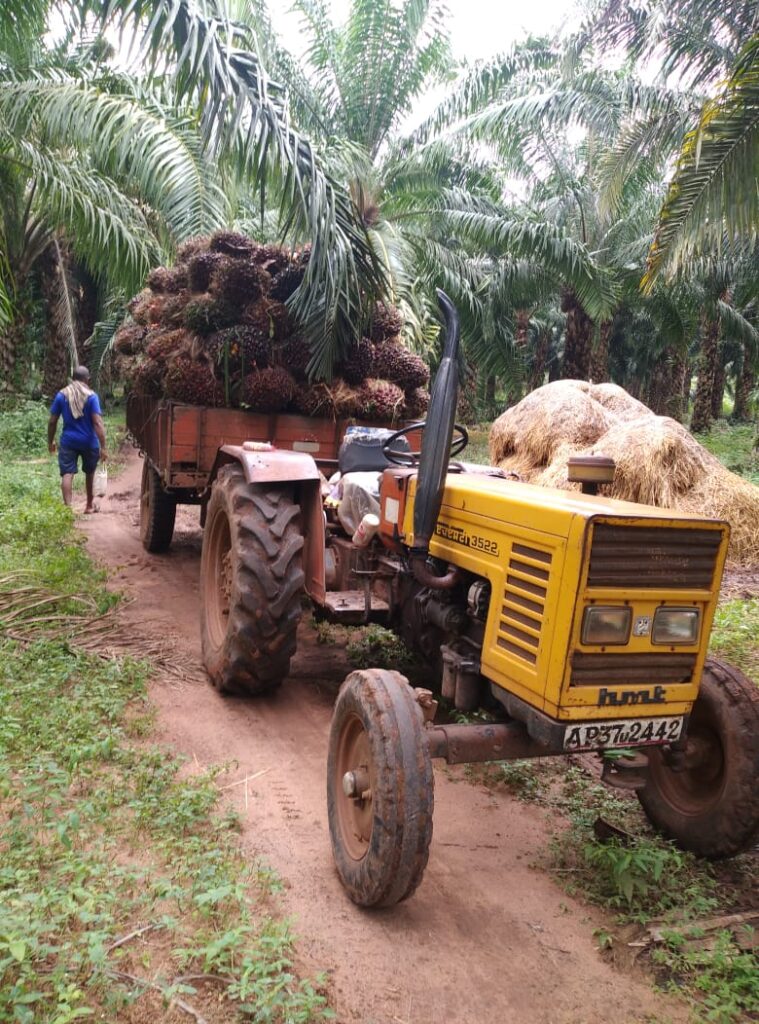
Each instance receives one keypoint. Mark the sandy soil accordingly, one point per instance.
(487, 937)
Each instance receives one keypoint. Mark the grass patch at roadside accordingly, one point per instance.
(123, 888)
(735, 447)
(735, 635)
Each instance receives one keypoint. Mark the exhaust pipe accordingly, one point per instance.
(436, 445)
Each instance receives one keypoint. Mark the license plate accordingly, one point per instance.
(625, 732)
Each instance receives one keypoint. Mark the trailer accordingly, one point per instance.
(182, 446)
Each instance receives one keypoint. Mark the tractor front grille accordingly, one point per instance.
(650, 557)
(524, 600)
(631, 669)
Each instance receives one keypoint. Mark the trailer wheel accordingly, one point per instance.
(158, 511)
(711, 806)
(380, 788)
(251, 580)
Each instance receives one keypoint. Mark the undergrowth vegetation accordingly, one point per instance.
(121, 879)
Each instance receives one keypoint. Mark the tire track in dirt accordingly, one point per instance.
(486, 937)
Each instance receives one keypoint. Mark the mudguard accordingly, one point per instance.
(264, 464)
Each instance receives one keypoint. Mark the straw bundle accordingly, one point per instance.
(553, 415)
(658, 461)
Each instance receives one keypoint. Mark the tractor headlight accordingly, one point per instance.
(606, 625)
(676, 626)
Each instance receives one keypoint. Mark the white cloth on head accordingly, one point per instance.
(76, 394)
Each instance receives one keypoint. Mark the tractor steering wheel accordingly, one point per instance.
(400, 458)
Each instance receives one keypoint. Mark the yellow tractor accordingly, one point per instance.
(582, 623)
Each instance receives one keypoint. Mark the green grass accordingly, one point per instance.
(735, 635)
(101, 834)
(735, 447)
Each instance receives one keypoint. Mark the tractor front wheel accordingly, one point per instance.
(379, 788)
(707, 798)
(251, 581)
(158, 511)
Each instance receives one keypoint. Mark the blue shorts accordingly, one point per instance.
(68, 459)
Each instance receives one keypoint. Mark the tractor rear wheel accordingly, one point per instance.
(380, 788)
(711, 805)
(158, 511)
(251, 581)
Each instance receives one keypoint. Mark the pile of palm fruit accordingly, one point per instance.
(214, 330)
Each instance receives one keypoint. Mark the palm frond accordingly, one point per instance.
(244, 114)
(713, 198)
(158, 153)
(737, 326)
(545, 245)
(95, 214)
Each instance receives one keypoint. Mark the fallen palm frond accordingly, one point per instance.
(31, 612)
(658, 461)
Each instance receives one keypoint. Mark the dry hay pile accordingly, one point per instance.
(214, 329)
(658, 461)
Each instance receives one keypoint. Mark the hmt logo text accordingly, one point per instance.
(618, 698)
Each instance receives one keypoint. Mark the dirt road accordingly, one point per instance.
(487, 937)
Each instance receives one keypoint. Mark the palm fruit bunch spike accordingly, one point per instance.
(359, 362)
(240, 348)
(191, 381)
(387, 321)
(380, 400)
(268, 390)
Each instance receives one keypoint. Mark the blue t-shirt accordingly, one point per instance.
(79, 434)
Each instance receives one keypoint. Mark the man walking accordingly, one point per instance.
(83, 434)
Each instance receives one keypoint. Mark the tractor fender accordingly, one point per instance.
(265, 464)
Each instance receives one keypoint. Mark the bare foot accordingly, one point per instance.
(92, 509)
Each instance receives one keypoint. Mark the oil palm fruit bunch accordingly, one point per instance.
(272, 258)
(164, 344)
(231, 243)
(416, 403)
(313, 400)
(205, 314)
(394, 363)
(380, 400)
(387, 322)
(286, 282)
(295, 355)
(129, 339)
(358, 364)
(191, 381)
(240, 349)
(269, 390)
(200, 269)
(239, 281)
(164, 279)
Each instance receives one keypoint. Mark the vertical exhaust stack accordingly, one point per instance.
(435, 453)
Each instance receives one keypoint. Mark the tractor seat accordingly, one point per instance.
(361, 450)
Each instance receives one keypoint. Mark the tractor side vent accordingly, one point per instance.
(640, 557)
(524, 600)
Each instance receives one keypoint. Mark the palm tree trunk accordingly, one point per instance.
(702, 416)
(577, 338)
(539, 359)
(9, 345)
(718, 389)
(744, 384)
(599, 363)
(659, 387)
(59, 321)
(678, 403)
